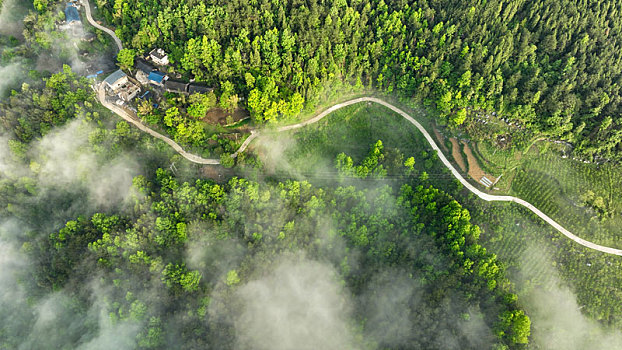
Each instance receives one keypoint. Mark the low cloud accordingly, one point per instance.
(557, 320)
(69, 179)
(59, 321)
(64, 158)
(298, 305)
(397, 315)
(11, 14)
(272, 150)
(10, 74)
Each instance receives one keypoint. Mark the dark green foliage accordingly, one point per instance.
(419, 230)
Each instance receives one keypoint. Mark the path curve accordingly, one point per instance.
(196, 159)
(456, 174)
(87, 9)
(101, 95)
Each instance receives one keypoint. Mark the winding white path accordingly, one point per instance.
(87, 9)
(457, 175)
(101, 95)
(196, 159)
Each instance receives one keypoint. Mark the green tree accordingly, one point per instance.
(125, 58)
(40, 5)
(226, 160)
(232, 278)
(518, 325)
(458, 118)
(410, 165)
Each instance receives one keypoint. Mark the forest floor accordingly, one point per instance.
(218, 115)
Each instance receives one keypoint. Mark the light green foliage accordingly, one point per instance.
(200, 104)
(228, 98)
(125, 58)
(410, 164)
(183, 130)
(250, 80)
(39, 5)
(450, 55)
(172, 117)
(152, 337)
(178, 277)
(141, 256)
(36, 109)
(519, 326)
(424, 176)
(458, 118)
(232, 278)
(295, 105)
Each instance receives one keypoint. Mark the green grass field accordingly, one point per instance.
(586, 198)
(311, 151)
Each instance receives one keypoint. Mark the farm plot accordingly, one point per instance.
(456, 154)
(587, 198)
(475, 171)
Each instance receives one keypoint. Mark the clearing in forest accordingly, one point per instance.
(219, 116)
(456, 154)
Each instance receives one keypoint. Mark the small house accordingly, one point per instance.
(199, 89)
(142, 77)
(176, 86)
(128, 92)
(159, 57)
(157, 78)
(116, 80)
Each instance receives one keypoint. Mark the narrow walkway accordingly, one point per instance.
(89, 18)
(196, 159)
(101, 96)
(456, 173)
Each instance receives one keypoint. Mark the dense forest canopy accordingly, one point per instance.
(551, 67)
(185, 258)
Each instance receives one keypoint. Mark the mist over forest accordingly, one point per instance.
(111, 240)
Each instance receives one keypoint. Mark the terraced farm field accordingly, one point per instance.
(587, 197)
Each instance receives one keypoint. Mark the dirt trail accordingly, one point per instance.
(456, 154)
(101, 95)
(456, 173)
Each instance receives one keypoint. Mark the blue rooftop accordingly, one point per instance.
(71, 13)
(156, 77)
